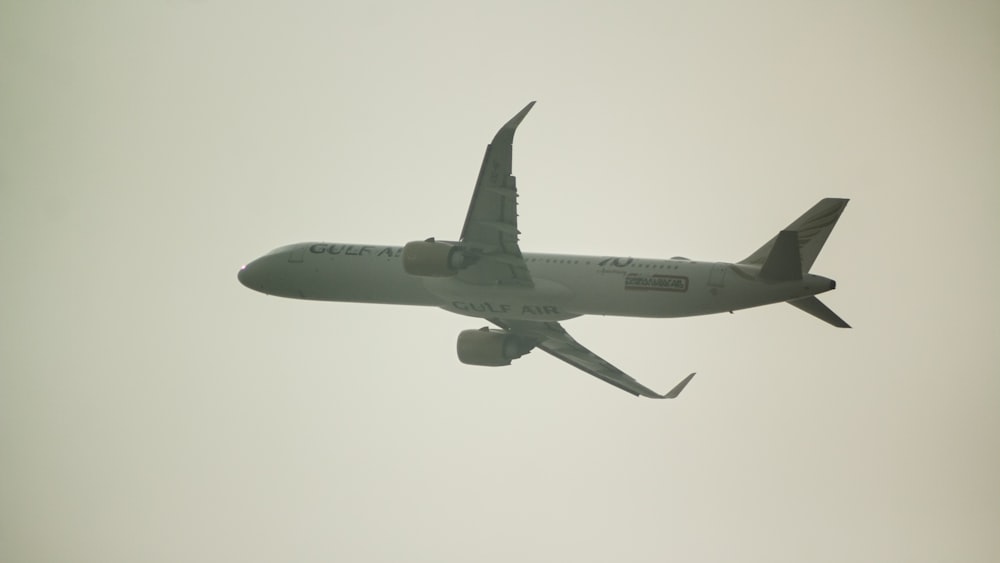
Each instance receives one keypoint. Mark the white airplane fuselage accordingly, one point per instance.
(485, 274)
(565, 286)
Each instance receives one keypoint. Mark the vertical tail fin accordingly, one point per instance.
(812, 230)
(784, 262)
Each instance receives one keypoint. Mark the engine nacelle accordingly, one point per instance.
(490, 347)
(434, 259)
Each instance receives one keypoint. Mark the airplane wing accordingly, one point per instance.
(490, 233)
(553, 338)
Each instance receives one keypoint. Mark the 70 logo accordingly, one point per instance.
(617, 262)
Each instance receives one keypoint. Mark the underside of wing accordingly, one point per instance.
(490, 234)
(553, 338)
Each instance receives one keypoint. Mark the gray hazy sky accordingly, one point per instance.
(152, 409)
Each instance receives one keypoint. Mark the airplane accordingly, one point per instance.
(484, 274)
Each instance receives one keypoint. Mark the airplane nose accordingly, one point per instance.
(250, 277)
(270, 274)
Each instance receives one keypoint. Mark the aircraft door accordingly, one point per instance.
(717, 277)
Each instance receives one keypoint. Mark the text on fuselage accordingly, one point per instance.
(656, 282)
(353, 250)
(502, 308)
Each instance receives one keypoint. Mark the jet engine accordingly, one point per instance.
(490, 347)
(434, 259)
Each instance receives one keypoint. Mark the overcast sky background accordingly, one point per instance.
(152, 409)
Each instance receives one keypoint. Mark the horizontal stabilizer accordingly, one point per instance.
(783, 263)
(816, 308)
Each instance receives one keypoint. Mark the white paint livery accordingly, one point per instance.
(485, 275)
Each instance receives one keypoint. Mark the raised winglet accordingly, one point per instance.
(506, 133)
(677, 388)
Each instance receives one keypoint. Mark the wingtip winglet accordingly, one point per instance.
(511, 126)
(678, 388)
(517, 119)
